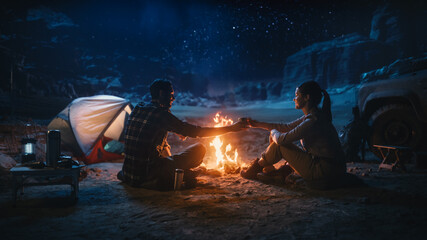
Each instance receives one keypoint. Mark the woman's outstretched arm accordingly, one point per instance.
(258, 124)
(281, 127)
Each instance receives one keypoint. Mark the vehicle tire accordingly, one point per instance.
(395, 125)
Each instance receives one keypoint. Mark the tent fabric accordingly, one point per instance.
(98, 153)
(87, 122)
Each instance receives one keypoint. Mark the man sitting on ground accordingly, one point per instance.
(148, 160)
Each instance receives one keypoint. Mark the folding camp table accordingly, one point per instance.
(21, 173)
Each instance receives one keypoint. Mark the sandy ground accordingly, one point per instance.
(391, 206)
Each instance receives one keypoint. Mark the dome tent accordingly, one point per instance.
(88, 123)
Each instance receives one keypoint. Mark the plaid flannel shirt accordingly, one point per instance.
(146, 137)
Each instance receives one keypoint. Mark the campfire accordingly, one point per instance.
(226, 159)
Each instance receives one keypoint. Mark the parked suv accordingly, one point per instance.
(392, 105)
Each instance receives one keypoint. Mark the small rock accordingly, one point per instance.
(248, 192)
(236, 194)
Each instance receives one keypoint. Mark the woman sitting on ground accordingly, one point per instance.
(320, 161)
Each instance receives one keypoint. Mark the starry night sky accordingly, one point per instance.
(224, 40)
(221, 39)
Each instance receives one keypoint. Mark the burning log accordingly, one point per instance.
(231, 169)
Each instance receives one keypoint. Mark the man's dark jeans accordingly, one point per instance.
(162, 175)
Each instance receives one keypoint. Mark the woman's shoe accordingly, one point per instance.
(277, 176)
(252, 170)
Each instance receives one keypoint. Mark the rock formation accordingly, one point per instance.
(397, 31)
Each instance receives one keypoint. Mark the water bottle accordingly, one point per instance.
(53, 148)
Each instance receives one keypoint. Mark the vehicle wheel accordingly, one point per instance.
(395, 125)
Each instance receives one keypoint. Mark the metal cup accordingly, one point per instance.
(179, 177)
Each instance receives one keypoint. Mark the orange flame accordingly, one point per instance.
(226, 161)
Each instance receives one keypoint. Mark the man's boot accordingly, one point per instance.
(252, 170)
(190, 178)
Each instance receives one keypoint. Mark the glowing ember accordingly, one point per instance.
(226, 160)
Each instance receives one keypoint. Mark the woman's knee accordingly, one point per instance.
(199, 153)
(200, 149)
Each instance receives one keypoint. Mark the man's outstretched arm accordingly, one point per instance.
(189, 130)
(209, 132)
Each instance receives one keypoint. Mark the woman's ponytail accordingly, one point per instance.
(326, 106)
(313, 89)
